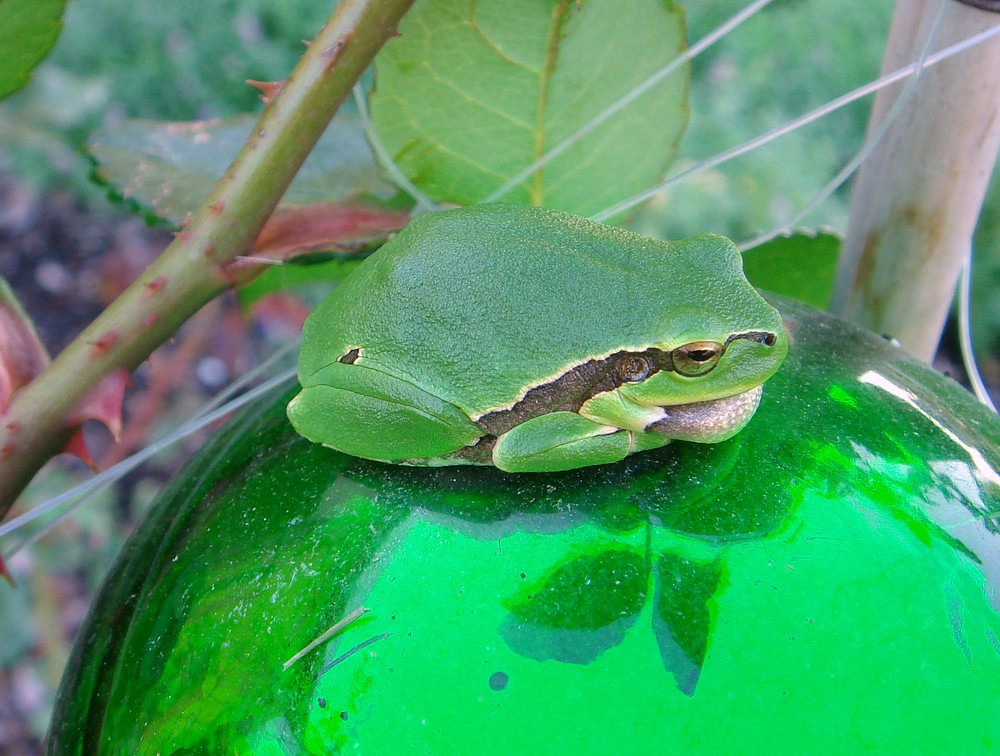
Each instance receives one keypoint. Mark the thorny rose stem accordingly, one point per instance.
(198, 265)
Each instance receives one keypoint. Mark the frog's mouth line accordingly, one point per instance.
(708, 421)
(761, 337)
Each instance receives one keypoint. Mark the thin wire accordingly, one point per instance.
(796, 123)
(965, 334)
(423, 202)
(867, 148)
(107, 477)
(616, 107)
(86, 494)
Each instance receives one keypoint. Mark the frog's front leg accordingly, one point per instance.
(369, 413)
(565, 440)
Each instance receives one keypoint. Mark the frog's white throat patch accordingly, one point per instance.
(708, 421)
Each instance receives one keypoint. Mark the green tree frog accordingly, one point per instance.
(534, 341)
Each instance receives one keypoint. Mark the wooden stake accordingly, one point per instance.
(917, 199)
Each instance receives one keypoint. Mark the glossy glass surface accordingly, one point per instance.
(825, 580)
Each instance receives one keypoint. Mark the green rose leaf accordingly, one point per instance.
(470, 94)
(169, 169)
(338, 201)
(309, 279)
(801, 265)
(28, 29)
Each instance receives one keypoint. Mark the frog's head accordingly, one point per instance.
(717, 344)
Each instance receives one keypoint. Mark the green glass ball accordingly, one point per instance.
(827, 579)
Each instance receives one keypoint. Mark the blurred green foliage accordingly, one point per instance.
(118, 59)
(788, 59)
(187, 58)
(799, 265)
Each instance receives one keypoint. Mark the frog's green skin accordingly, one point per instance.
(534, 340)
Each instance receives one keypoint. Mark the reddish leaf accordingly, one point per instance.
(5, 574)
(22, 355)
(103, 403)
(295, 230)
(77, 446)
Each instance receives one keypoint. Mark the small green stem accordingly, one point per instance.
(196, 266)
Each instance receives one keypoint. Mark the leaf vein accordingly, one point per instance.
(471, 21)
(473, 101)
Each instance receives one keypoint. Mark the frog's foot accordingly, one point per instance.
(563, 441)
(371, 414)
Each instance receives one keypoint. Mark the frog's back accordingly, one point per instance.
(477, 303)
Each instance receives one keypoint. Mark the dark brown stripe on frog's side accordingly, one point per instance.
(570, 390)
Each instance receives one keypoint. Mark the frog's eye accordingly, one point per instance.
(633, 368)
(696, 358)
